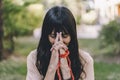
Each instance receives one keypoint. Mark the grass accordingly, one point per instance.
(14, 68)
(105, 71)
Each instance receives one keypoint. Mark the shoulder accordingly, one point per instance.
(85, 56)
(32, 71)
(32, 56)
(88, 65)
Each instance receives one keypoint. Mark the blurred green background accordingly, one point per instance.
(98, 34)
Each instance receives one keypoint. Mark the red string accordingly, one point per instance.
(65, 55)
(69, 63)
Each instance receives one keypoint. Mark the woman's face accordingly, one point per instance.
(65, 37)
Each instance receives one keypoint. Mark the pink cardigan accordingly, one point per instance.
(87, 61)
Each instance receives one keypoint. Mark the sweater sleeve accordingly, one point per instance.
(88, 65)
(32, 72)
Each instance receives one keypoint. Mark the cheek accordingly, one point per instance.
(67, 40)
(52, 40)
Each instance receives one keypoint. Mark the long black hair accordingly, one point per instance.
(58, 18)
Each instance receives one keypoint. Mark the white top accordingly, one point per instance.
(33, 73)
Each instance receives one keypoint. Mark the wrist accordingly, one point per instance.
(64, 62)
(64, 53)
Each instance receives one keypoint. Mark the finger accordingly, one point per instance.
(63, 46)
(51, 49)
(57, 37)
(55, 46)
(60, 42)
(60, 35)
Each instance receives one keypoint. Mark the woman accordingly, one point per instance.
(58, 56)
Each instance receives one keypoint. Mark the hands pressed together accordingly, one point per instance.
(59, 43)
(59, 48)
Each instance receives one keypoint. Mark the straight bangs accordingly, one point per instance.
(58, 26)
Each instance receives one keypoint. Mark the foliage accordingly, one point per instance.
(110, 36)
(18, 21)
(1, 32)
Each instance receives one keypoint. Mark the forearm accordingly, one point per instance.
(65, 69)
(50, 75)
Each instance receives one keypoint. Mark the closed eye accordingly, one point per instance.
(65, 35)
(52, 35)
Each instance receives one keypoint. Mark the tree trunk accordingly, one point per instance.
(1, 32)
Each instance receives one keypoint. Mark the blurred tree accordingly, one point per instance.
(10, 11)
(110, 36)
(18, 21)
(1, 31)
